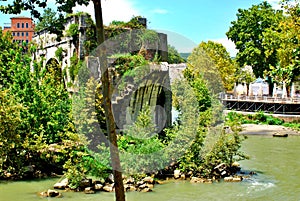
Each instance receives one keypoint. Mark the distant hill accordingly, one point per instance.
(185, 55)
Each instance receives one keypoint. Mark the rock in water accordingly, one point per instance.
(176, 174)
(53, 193)
(148, 180)
(108, 188)
(98, 187)
(228, 179)
(89, 190)
(62, 184)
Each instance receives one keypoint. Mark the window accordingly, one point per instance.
(18, 25)
(22, 25)
(13, 33)
(26, 33)
(18, 34)
(26, 24)
(27, 41)
(22, 33)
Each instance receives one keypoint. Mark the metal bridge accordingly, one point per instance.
(265, 104)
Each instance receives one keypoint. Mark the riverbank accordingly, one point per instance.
(261, 129)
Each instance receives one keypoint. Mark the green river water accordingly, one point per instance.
(275, 160)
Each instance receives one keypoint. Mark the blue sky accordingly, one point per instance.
(187, 22)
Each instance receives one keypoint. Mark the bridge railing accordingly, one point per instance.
(271, 99)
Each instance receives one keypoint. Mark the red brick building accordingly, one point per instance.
(22, 29)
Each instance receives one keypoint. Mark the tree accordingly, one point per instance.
(173, 56)
(66, 7)
(284, 42)
(49, 19)
(200, 64)
(247, 34)
(224, 64)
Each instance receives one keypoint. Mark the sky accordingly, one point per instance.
(187, 23)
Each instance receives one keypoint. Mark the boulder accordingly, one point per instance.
(85, 183)
(148, 180)
(98, 187)
(176, 174)
(151, 186)
(130, 180)
(139, 183)
(53, 193)
(237, 179)
(110, 179)
(228, 179)
(108, 188)
(129, 187)
(145, 190)
(43, 194)
(62, 184)
(235, 164)
(221, 167)
(89, 190)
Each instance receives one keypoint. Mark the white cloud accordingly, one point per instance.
(160, 11)
(229, 45)
(122, 10)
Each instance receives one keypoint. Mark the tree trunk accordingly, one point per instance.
(107, 89)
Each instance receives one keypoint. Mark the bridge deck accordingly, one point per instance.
(265, 104)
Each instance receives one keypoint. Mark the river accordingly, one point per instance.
(275, 160)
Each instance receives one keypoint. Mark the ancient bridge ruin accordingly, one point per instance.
(154, 90)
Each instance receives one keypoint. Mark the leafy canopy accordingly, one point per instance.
(247, 34)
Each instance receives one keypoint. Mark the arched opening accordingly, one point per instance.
(54, 69)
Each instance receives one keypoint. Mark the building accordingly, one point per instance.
(22, 29)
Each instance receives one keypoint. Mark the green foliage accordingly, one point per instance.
(83, 163)
(257, 118)
(90, 43)
(10, 141)
(73, 30)
(74, 67)
(140, 146)
(125, 63)
(49, 19)
(223, 62)
(131, 69)
(43, 119)
(209, 145)
(201, 65)
(283, 41)
(173, 56)
(247, 32)
(59, 53)
(294, 125)
(224, 150)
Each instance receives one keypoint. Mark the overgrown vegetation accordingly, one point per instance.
(48, 133)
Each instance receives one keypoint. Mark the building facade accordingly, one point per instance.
(21, 28)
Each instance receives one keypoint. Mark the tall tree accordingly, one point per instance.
(49, 19)
(66, 6)
(284, 41)
(223, 62)
(247, 34)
